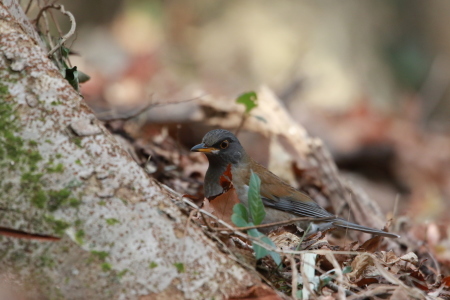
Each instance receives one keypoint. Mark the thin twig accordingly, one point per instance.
(244, 118)
(376, 291)
(56, 24)
(294, 276)
(303, 236)
(28, 6)
(47, 31)
(336, 288)
(106, 116)
(206, 222)
(73, 25)
(188, 222)
(338, 272)
(63, 39)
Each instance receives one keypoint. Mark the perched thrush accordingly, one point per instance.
(282, 201)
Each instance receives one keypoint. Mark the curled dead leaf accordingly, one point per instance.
(360, 265)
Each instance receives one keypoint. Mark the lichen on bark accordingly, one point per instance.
(76, 182)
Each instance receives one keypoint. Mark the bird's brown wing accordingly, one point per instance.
(279, 195)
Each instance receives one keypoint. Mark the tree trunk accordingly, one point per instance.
(63, 175)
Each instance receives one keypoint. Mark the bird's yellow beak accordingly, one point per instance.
(202, 148)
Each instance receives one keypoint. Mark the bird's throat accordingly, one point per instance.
(212, 178)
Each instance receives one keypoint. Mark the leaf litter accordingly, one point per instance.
(357, 270)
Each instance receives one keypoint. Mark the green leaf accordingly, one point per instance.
(255, 204)
(65, 51)
(238, 220)
(241, 210)
(72, 77)
(346, 270)
(83, 77)
(249, 99)
(261, 119)
(325, 280)
(180, 267)
(299, 294)
(275, 256)
(260, 251)
(112, 221)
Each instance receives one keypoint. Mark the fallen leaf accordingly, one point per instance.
(389, 257)
(371, 245)
(419, 281)
(366, 281)
(258, 292)
(400, 294)
(195, 199)
(360, 265)
(446, 281)
(222, 205)
(285, 240)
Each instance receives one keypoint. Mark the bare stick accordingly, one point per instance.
(188, 222)
(294, 276)
(244, 118)
(107, 115)
(28, 6)
(338, 272)
(68, 34)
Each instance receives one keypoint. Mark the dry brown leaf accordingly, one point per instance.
(410, 257)
(222, 205)
(446, 281)
(419, 280)
(207, 206)
(371, 245)
(285, 240)
(366, 281)
(391, 258)
(360, 265)
(400, 294)
(259, 292)
(198, 201)
(388, 257)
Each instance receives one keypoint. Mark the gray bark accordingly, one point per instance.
(63, 174)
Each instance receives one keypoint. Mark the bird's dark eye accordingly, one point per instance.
(224, 144)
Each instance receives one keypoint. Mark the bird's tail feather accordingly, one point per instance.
(345, 224)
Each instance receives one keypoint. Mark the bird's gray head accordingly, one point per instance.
(221, 147)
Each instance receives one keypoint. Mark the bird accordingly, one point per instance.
(282, 202)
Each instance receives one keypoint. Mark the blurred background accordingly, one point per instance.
(369, 78)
